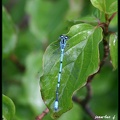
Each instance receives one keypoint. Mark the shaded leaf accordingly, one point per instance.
(106, 6)
(8, 108)
(88, 19)
(113, 44)
(81, 59)
(9, 34)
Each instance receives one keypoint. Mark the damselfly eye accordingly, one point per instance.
(61, 36)
(66, 37)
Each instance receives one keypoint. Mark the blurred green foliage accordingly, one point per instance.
(29, 26)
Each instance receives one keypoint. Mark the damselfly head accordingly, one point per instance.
(63, 37)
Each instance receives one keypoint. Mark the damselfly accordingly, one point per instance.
(63, 40)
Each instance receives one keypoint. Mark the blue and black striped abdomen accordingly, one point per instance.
(62, 47)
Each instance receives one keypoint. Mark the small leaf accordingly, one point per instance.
(81, 59)
(99, 15)
(113, 44)
(8, 108)
(87, 19)
(100, 4)
(9, 34)
(106, 6)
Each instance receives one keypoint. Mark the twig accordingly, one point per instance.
(89, 94)
(84, 102)
(85, 107)
(40, 117)
(112, 16)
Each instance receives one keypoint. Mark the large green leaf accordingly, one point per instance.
(81, 59)
(87, 19)
(113, 44)
(9, 34)
(8, 108)
(107, 6)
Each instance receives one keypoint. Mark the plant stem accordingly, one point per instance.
(112, 16)
(85, 107)
(40, 117)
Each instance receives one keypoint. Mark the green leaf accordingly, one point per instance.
(89, 19)
(8, 108)
(106, 6)
(81, 59)
(9, 34)
(99, 15)
(113, 44)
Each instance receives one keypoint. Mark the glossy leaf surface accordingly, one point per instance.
(106, 6)
(113, 44)
(81, 59)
